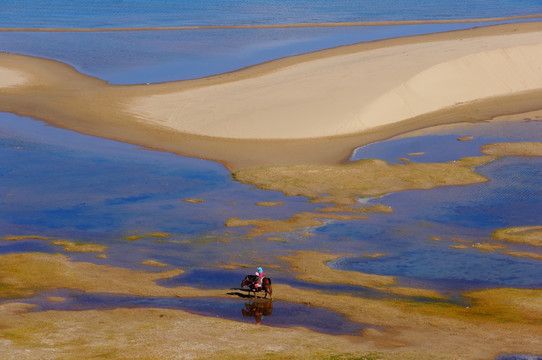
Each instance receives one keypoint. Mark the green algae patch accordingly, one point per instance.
(161, 235)
(480, 246)
(22, 275)
(342, 184)
(193, 201)
(56, 299)
(524, 254)
(298, 222)
(269, 203)
(531, 235)
(508, 304)
(26, 237)
(153, 263)
(374, 256)
(513, 149)
(376, 208)
(276, 239)
(71, 246)
(312, 267)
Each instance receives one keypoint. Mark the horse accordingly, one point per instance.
(250, 281)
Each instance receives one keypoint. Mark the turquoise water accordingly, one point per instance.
(133, 13)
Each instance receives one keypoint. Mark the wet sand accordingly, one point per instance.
(313, 108)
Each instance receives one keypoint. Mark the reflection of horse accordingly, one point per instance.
(257, 309)
(251, 280)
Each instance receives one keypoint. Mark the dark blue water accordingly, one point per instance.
(260, 311)
(132, 13)
(518, 357)
(512, 197)
(65, 185)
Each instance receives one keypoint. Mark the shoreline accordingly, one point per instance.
(58, 94)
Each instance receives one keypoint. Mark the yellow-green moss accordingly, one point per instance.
(531, 235)
(342, 184)
(71, 246)
(513, 149)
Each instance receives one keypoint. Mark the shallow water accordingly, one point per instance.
(156, 56)
(468, 213)
(518, 357)
(65, 185)
(260, 311)
(70, 186)
(133, 13)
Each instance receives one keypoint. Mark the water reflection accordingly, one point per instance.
(518, 357)
(258, 309)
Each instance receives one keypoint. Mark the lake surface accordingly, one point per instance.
(133, 13)
(135, 57)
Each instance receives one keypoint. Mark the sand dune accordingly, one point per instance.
(312, 108)
(470, 78)
(351, 93)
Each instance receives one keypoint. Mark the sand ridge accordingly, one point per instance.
(313, 108)
(352, 93)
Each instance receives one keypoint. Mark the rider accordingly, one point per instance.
(259, 278)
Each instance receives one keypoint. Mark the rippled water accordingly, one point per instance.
(132, 13)
(136, 57)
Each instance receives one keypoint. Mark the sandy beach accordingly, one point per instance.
(350, 95)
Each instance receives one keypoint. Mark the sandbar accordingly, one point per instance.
(11, 77)
(311, 108)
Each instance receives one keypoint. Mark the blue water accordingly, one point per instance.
(157, 56)
(65, 185)
(133, 13)
(272, 313)
(518, 357)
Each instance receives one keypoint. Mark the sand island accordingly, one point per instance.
(312, 108)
